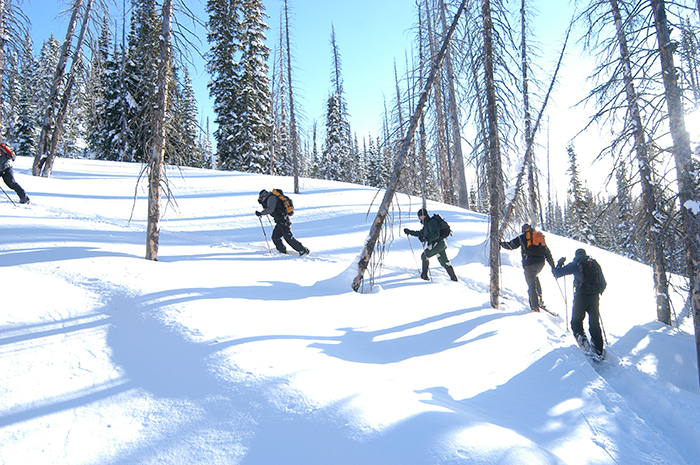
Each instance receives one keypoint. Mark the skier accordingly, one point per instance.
(589, 283)
(534, 255)
(273, 205)
(7, 156)
(436, 244)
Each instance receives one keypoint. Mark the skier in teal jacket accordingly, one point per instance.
(436, 245)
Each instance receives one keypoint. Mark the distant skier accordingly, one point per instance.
(436, 245)
(279, 206)
(7, 156)
(534, 252)
(589, 283)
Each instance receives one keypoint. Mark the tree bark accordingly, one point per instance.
(650, 204)
(47, 165)
(378, 222)
(48, 121)
(494, 155)
(687, 194)
(155, 163)
(462, 192)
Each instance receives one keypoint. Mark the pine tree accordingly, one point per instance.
(578, 221)
(24, 131)
(239, 86)
(337, 160)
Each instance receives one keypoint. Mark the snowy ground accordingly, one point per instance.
(220, 353)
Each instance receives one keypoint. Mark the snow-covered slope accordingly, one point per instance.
(221, 353)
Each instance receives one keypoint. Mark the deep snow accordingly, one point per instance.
(220, 353)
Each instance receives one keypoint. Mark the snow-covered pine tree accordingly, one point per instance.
(240, 88)
(337, 160)
(27, 112)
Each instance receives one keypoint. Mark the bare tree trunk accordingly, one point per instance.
(687, 194)
(378, 222)
(650, 204)
(155, 163)
(462, 191)
(292, 119)
(47, 165)
(529, 136)
(495, 174)
(442, 156)
(48, 121)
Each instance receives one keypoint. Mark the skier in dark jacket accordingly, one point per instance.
(436, 244)
(7, 156)
(586, 300)
(283, 224)
(533, 262)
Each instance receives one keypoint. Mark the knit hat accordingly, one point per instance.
(580, 252)
(422, 212)
(526, 227)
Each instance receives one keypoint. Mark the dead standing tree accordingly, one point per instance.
(155, 162)
(49, 114)
(685, 170)
(378, 222)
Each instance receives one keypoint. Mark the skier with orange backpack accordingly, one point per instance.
(534, 251)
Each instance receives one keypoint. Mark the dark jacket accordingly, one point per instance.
(5, 161)
(573, 268)
(520, 241)
(430, 232)
(271, 206)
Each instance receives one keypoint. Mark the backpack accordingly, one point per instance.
(287, 204)
(589, 273)
(7, 151)
(445, 229)
(535, 244)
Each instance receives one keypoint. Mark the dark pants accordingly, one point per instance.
(534, 289)
(9, 178)
(587, 304)
(439, 249)
(283, 228)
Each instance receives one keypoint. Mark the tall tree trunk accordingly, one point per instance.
(155, 163)
(527, 116)
(687, 193)
(650, 205)
(378, 222)
(52, 102)
(292, 119)
(494, 156)
(461, 179)
(444, 176)
(47, 165)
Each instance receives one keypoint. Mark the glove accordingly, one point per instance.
(502, 244)
(561, 261)
(258, 214)
(407, 231)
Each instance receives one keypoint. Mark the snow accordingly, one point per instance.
(220, 353)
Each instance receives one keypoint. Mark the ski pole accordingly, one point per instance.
(8, 197)
(602, 327)
(412, 251)
(265, 234)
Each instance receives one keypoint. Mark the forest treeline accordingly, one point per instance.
(479, 142)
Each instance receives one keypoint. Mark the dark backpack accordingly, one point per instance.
(589, 273)
(445, 229)
(535, 245)
(287, 204)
